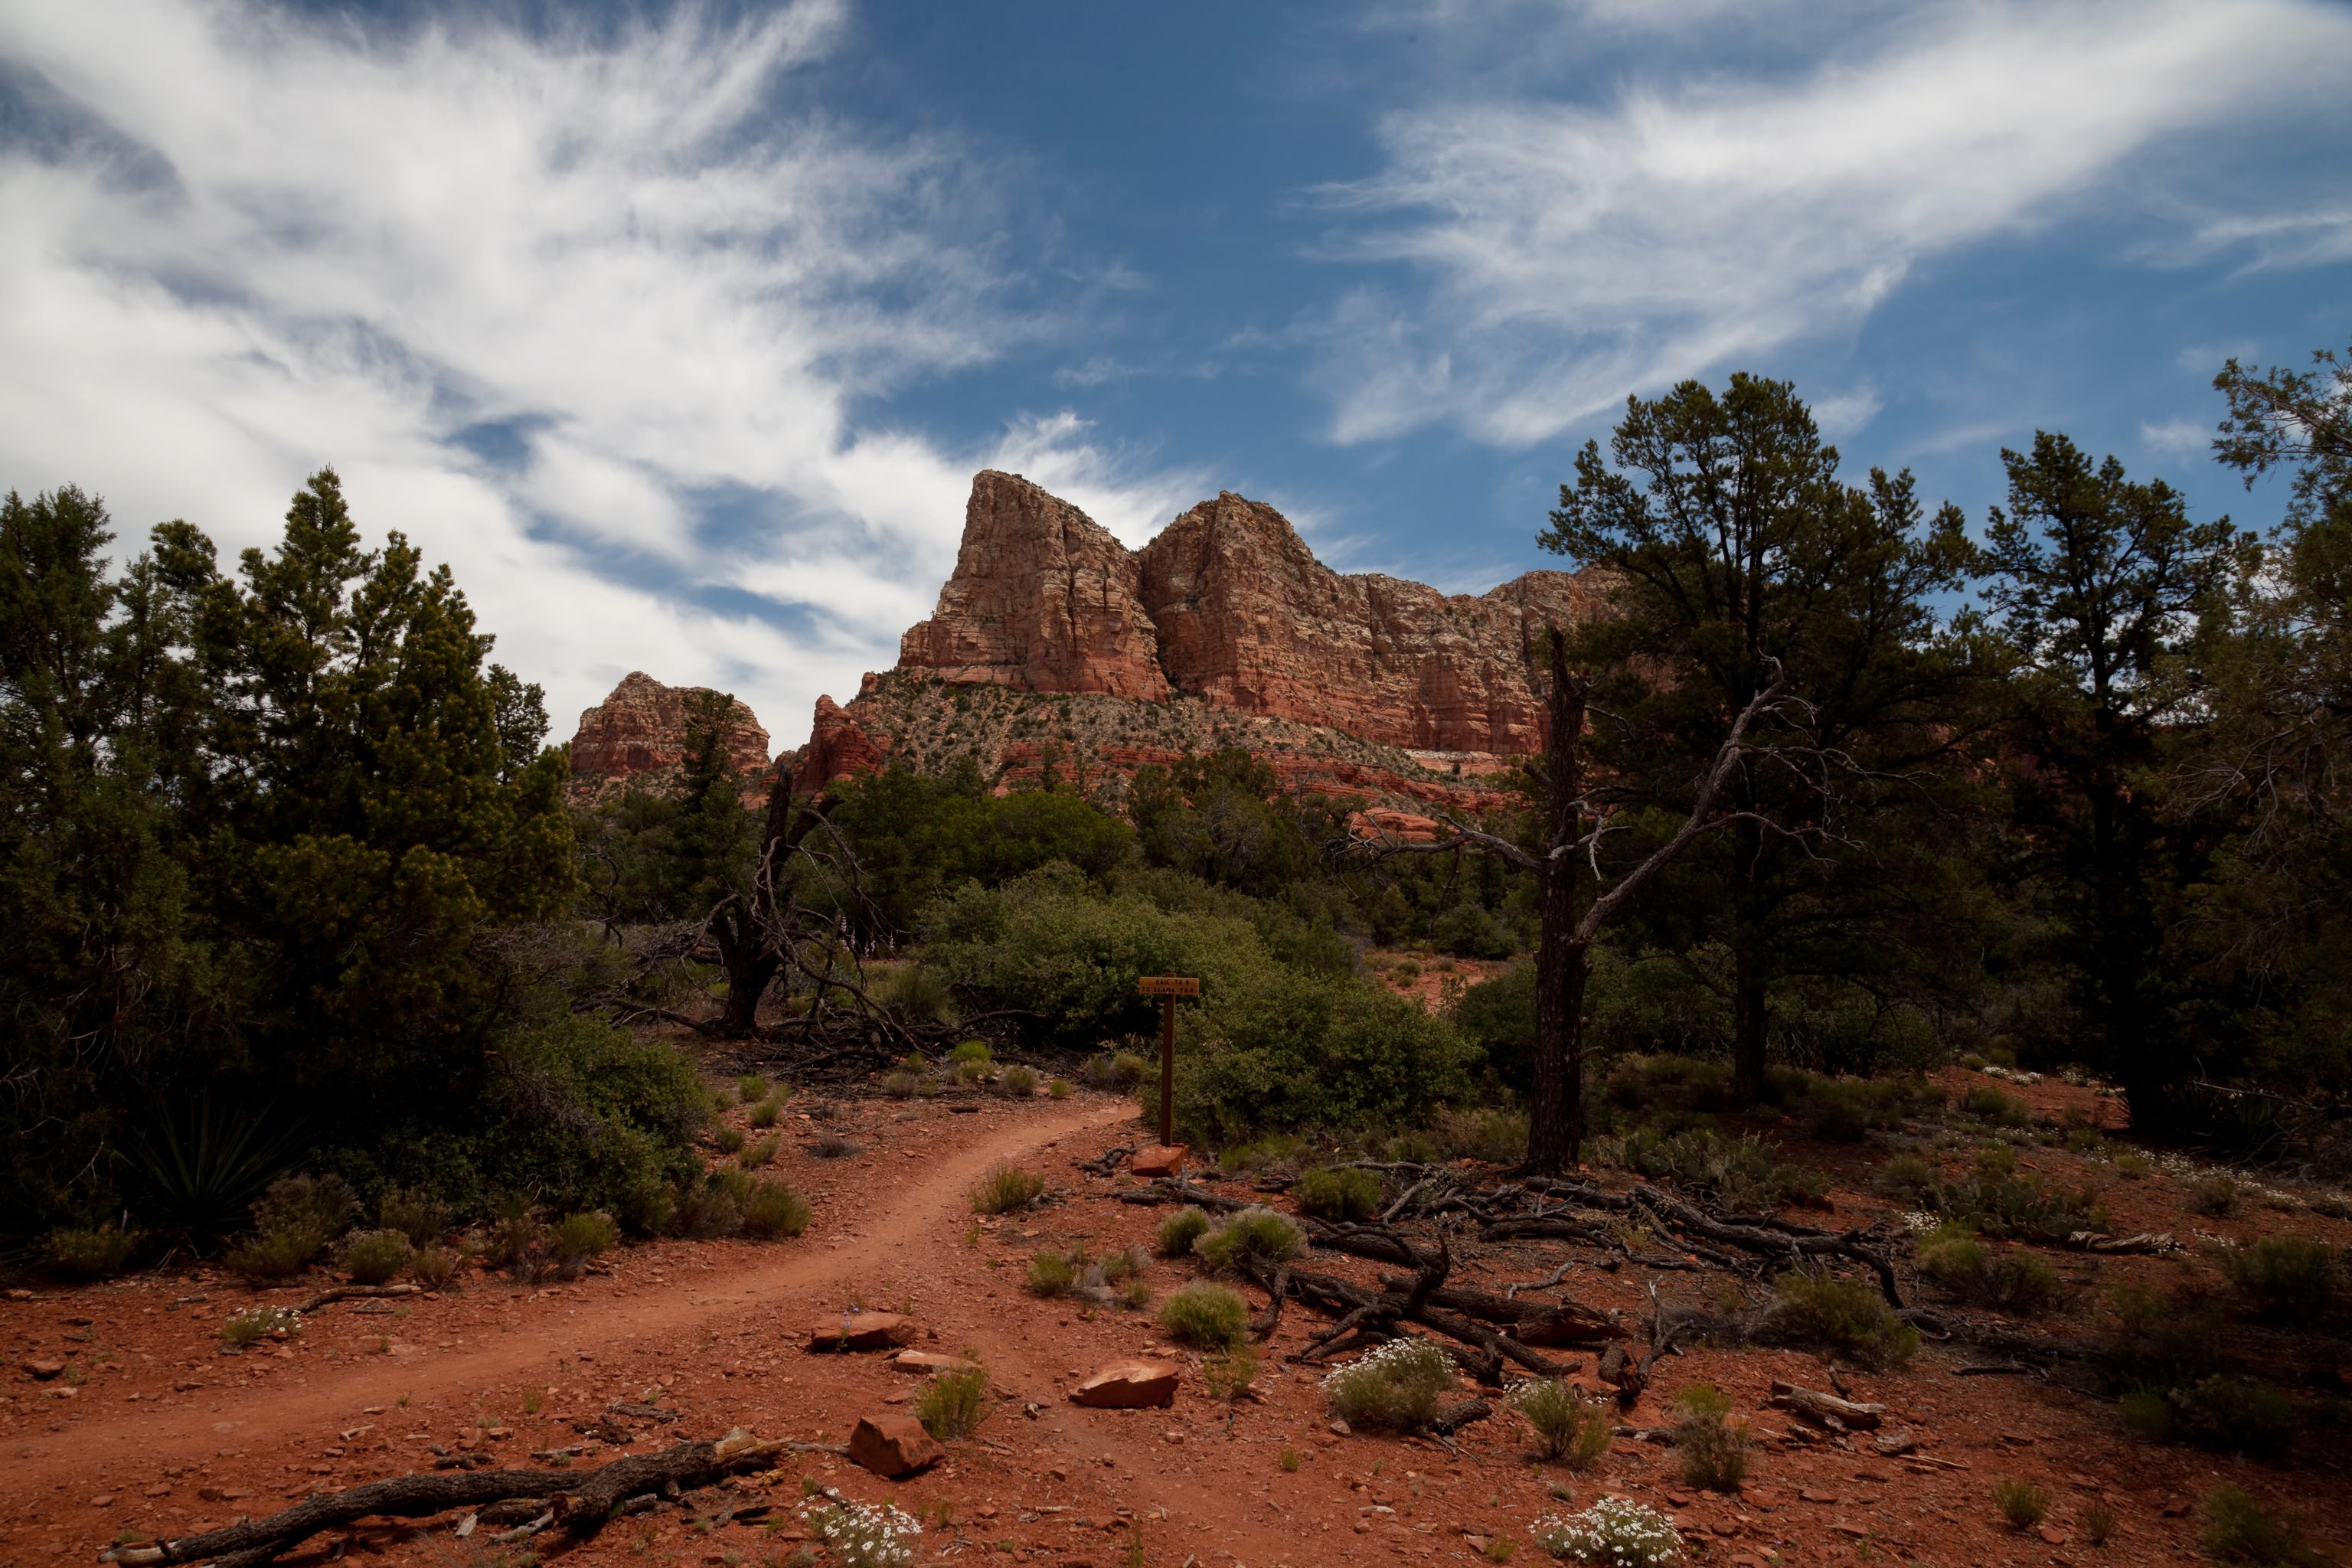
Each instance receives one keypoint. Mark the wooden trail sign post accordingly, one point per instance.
(1168, 987)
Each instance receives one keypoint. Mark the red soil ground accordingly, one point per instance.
(154, 1429)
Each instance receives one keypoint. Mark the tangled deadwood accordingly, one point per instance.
(577, 1501)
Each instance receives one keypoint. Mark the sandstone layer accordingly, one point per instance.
(642, 726)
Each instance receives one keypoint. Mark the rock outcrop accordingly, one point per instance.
(642, 729)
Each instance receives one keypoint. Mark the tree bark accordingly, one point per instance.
(1748, 982)
(1556, 1108)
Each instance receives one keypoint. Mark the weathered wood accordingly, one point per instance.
(356, 1292)
(1827, 1408)
(1452, 1417)
(1530, 1322)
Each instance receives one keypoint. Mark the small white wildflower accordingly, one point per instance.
(864, 1535)
(1920, 1223)
(1615, 1532)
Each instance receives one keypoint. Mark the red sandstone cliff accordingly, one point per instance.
(641, 729)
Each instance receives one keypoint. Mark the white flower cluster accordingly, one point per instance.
(1399, 1360)
(1920, 1223)
(864, 1535)
(1994, 1070)
(1615, 1532)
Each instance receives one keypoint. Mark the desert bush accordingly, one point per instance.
(771, 1208)
(2215, 1196)
(2284, 1276)
(1394, 1388)
(1496, 1137)
(1821, 1311)
(1205, 1313)
(274, 1254)
(1909, 1179)
(420, 1216)
(1020, 1082)
(1227, 1376)
(2099, 1522)
(84, 1254)
(1339, 1192)
(900, 1084)
(2239, 1531)
(294, 1222)
(1994, 1106)
(2022, 1503)
(1059, 1089)
(2161, 1340)
(1004, 1189)
(751, 1088)
(2005, 1279)
(1179, 1230)
(2146, 1414)
(1569, 1427)
(1115, 1069)
(581, 1239)
(1052, 1271)
(833, 1146)
(953, 1403)
(764, 1152)
(2132, 1165)
(374, 1256)
(1738, 1172)
(764, 1115)
(260, 1324)
(1615, 1532)
(728, 1139)
(1712, 1449)
(2233, 1415)
(711, 1208)
(1258, 1234)
(432, 1266)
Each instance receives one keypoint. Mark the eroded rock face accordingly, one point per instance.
(837, 748)
(641, 729)
(1043, 597)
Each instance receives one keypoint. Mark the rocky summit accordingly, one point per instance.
(641, 730)
(1228, 628)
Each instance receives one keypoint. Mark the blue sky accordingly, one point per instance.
(679, 334)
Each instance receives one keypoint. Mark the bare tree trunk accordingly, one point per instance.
(1556, 1112)
(1749, 1017)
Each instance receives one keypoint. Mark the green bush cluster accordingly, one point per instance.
(1394, 1388)
(2284, 1277)
(1569, 1426)
(2008, 1279)
(1738, 1172)
(1249, 1236)
(1339, 1192)
(1206, 1314)
(1843, 1317)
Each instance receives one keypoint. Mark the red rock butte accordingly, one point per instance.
(642, 728)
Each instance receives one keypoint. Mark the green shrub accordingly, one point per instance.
(581, 1239)
(2161, 1340)
(1004, 1189)
(432, 1266)
(2099, 1524)
(1992, 1105)
(764, 1114)
(1339, 1192)
(969, 1052)
(727, 1139)
(1228, 1375)
(1179, 1230)
(295, 1221)
(1059, 1089)
(771, 1208)
(1496, 1137)
(274, 1254)
(374, 1256)
(761, 1153)
(1737, 1173)
(953, 1403)
(1020, 1082)
(80, 1254)
(1824, 1312)
(2007, 1280)
(1115, 1069)
(1205, 1313)
(711, 1208)
(2133, 1166)
(2022, 1503)
(2233, 1415)
(1051, 1272)
(751, 1088)
(1712, 1449)
(2146, 1414)
(419, 1217)
(1569, 1427)
(2239, 1530)
(2284, 1277)
(1394, 1388)
(1250, 1234)
(2215, 1196)
(1909, 1179)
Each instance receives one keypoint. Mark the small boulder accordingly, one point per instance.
(44, 1370)
(928, 1361)
(1127, 1386)
(860, 1331)
(893, 1445)
(1159, 1160)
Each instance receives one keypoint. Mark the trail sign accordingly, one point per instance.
(1168, 987)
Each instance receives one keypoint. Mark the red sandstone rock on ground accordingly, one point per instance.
(1127, 1386)
(1043, 597)
(44, 1370)
(1159, 1160)
(930, 1361)
(860, 1331)
(893, 1445)
(641, 729)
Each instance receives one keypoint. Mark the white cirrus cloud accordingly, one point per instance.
(589, 316)
(1575, 250)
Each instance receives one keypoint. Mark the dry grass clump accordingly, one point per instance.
(375, 1256)
(1571, 1427)
(1712, 1448)
(2022, 1503)
(1204, 1313)
(1179, 1230)
(1004, 1189)
(771, 1208)
(953, 1403)
(1051, 1272)
(1393, 1389)
(1339, 1192)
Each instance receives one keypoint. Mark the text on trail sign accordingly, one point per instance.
(1169, 985)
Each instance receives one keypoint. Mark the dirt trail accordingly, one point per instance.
(789, 1285)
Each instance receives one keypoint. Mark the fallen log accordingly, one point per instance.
(1842, 1415)
(1450, 1418)
(581, 1500)
(353, 1293)
(1785, 1241)
(1530, 1322)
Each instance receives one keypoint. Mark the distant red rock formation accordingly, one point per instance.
(837, 748)
(641, 729)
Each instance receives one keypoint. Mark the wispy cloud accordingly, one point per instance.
(1574, 251)
(240, 245)
(2178, 438)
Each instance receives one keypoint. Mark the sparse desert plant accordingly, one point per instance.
(1289, 1460)
(2233, 1415)
(727, 1139)
(772, 1209)
(1569, 1425)
(1228, 1376)
(579, 1240)
(1992, 1105)
(833, 1146)
(1004, 1189)
(1258, 1234)
(1059, 1089)
(1052, 1271)
(293, 1223)
(1115, 1069)
(260, 1324)
(900, 1084)
(864, 1535)
(373, 1256)
(1712, 1448)
(1181, 1230)
(419, 1217)
(2284, 1276)
(1135, 1294)
(2146, 1414)
(1206, 1314)
(712, 1207)
(953, 1403)
(764, 1114)
(2099, 1522)
(1020, 1082)
(764, 1152)
(274, 1254)
(2022, 1503)
(2241, 1532)
(1394, 1388)
(1821, 1311)
(1614, 1532)
(1908, 1179)
(2215, 1196)
(84, 1254)
(432, 1266)
(1339, 1192)
(2133, 1165)
(2007, 1280)
(1496, 1137)
(751, 1088)
(1123, 1264)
